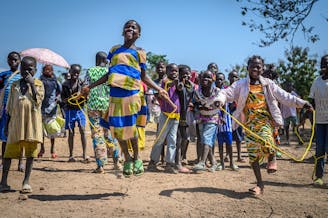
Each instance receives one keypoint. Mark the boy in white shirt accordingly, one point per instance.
(319, 96)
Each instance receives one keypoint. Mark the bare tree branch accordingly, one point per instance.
(279, 19)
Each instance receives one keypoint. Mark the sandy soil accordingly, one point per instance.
(62, 189)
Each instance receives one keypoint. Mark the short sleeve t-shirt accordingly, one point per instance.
(319, 92)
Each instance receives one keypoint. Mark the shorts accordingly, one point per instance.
(225, 137)
(237, 134)
(207, 132)
(290, 120)
(14, 150)
(73, 116)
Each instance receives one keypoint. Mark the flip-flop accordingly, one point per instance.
(5, 188)
(26, 189)
(234, 167)
(138, 168)
(71, 160)
(272, 166)
(184, 170)
(128, 168)
(256, 190)
(99, 170)
(86, 160)
(54, 155)
(21, 168)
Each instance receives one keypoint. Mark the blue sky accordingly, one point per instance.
(192, 32)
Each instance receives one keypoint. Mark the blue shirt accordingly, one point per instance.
(226, 127)
(7, 83)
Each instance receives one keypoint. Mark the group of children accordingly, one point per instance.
(116, 110)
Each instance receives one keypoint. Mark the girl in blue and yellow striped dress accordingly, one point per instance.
(127, 110)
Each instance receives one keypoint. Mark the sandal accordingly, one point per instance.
(26, 189)
(272, 166)
(138, 168)
(54, 155)
(86, 160)
(183, 170)
(128, 168)
(71, 159)
(234, 167)
(21, 168)
(99, 170)
(256, 190)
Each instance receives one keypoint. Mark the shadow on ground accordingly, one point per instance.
(209, 190)
(75, 197)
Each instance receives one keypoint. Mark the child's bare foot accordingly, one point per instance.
(4, 188)
(256, 190)
(54, 155)
(41, 153)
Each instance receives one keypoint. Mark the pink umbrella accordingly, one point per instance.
(46, 56)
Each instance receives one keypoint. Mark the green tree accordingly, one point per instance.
(152, 60)
(279, 19)
(299, 70)
(241, 70)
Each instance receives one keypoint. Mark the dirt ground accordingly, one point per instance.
(62, 189)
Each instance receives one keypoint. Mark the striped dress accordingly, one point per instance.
(127, 108)
(8, 78)
(259, 121)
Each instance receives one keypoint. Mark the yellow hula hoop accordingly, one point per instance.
(307, 150)
(75, 97)
(273, 145)
(74, 100)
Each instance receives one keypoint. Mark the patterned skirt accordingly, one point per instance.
(127, 110)
(258, 149)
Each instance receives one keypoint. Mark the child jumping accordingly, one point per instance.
(24, 126)
(127, 69)
(73, 113)
(258, 98)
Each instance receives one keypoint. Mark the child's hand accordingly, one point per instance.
(218, 104)
(29, 79)
(308, 106)
(162, 93)
(85, 91)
